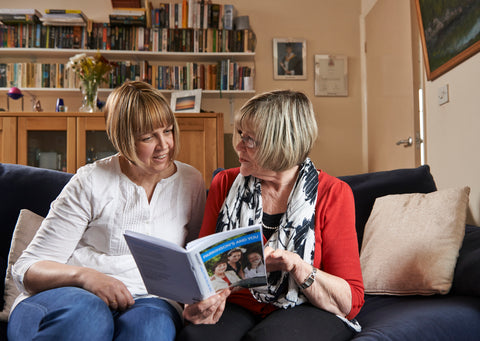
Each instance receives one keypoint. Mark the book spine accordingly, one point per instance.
(201, 275)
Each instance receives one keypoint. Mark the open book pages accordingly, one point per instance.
(206, 265)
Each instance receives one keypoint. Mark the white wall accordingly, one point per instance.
(453, 137)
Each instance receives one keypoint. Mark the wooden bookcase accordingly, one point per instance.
(67, 141)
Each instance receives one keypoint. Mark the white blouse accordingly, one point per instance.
(86, 222)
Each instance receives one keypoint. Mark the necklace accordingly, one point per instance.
(269, 227)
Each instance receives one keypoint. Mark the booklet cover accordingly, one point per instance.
(194, 273)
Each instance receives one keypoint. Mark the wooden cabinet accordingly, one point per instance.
(201, 142)
(67, 141)
(8, 139)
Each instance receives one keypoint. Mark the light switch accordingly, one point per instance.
(443, 94)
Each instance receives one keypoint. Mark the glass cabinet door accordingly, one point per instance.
(47, 142)
(93, 143)
(8, 138)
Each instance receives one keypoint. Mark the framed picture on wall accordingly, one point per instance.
(450, 33)
(289, 58)
(186, 101)
(331, 75)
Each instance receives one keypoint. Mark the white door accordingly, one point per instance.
(392, 67)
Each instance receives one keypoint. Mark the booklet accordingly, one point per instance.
(194, 273)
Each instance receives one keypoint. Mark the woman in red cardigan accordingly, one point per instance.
(315, 283)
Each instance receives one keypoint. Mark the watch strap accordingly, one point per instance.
(309, 280)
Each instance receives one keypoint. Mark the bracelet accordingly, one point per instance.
(309, 280)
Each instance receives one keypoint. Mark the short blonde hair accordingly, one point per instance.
(133, 109)
(284, 127)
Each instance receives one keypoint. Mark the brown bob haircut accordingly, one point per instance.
(133, 109)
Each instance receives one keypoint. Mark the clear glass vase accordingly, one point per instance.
(90, 93)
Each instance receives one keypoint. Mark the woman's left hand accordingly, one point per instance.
(332, 293)
(207, 311)
(280, 260)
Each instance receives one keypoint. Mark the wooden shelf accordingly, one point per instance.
(43, 53)
(207, 93)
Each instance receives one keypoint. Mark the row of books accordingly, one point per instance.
(185, 14)
(39, 36)
(224, 75)
(192, 14)
(104, 36)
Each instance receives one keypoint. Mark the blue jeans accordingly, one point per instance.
(70, 313)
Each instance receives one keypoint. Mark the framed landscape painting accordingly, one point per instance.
(450, 33)
(186, 101)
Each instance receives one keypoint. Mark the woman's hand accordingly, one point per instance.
(112, 291)
(207, 311)
(45, 275)
(280, 260)
(327, 292)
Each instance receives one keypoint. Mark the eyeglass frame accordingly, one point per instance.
(248, 141)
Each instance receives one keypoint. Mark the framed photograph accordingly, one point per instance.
(331, 75)
(449, 31)
(186, 101)
(289, 59)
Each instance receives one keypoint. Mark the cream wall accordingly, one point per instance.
(453, 138)
(329, 27)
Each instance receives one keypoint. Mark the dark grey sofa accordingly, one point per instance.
(455, 316)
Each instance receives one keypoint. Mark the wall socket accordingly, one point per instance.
(443, 94)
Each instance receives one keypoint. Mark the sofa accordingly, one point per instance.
(448, 316)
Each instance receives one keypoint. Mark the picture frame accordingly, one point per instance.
(449, 33)
(331, 75)
(186, 101)
(289, 58)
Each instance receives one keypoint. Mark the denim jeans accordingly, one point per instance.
(70, 313)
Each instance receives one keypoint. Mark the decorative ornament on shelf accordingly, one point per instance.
(15, 93)
(92, 71)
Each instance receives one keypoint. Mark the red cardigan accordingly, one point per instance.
(336, 247)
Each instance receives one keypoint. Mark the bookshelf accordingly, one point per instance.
(199, 55)
(47, 55)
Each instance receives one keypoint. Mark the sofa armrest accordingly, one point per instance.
(24, 187)
(467, 270)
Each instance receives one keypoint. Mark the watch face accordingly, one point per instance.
(309, 281)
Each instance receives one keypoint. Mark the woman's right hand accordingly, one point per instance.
(207, 311)
(112, 291)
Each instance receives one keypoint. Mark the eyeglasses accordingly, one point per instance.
(247, 140)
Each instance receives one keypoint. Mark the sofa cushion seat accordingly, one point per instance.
(401, 318)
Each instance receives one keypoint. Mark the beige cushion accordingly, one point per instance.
(27, 225)
(411, 242)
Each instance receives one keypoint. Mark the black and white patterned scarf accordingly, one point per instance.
(296, 233)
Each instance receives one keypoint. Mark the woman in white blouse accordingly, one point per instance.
(77, 278)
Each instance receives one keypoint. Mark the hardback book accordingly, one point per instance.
(74, 12)
(64, 17)
(128, 16)
(10, 16)
(196, 272)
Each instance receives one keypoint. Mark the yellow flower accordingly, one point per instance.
(90, 69)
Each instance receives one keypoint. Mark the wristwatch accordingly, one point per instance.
(309, 280)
